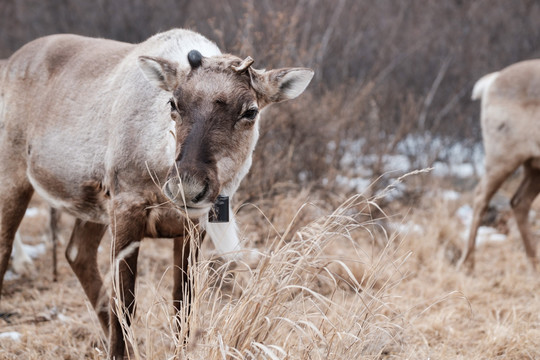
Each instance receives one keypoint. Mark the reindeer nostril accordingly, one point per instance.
(202, 194)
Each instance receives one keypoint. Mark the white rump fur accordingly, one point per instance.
(483, 84)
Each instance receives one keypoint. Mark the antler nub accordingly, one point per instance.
(244, 65)
(194, 58)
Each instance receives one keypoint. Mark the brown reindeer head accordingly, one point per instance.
(216, 104)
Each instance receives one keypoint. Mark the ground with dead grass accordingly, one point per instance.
(327, 278)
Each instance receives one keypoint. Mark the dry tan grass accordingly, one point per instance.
(339, 286)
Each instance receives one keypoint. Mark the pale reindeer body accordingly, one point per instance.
(510, 108)
(91, 126)
(107, 119)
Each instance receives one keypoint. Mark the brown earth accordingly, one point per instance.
(394, 295)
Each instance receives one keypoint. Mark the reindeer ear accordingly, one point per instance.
(160, 72)
(281, 84)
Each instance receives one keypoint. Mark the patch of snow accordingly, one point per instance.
(463, 171)
(413, 152)
(485, 233)
(416, 151)
(63, 318)
(357, 184)
(396, 163)
(352, 155)
(460, 170)
(349, 159)
(302, 176)
(488, 234)
(394, 191)
(11, 335)
(407, 228)
(331, 146)
(32, 212)
(34, 251)
(324, 181)
(450, 195)
(10, 276)
(459, 151)
(465, 213)
(422, 146)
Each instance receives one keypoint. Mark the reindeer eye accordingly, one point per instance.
(250, 114)
(173, 105)
(175, 114)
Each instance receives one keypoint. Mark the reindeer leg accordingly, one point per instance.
(13, 204)
(123, 301)
(128, 229)
(489, 184)
(81, 254)
(521, 204)
(54, 219)
(183, 249)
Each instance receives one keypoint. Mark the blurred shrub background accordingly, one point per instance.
(386, 71)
